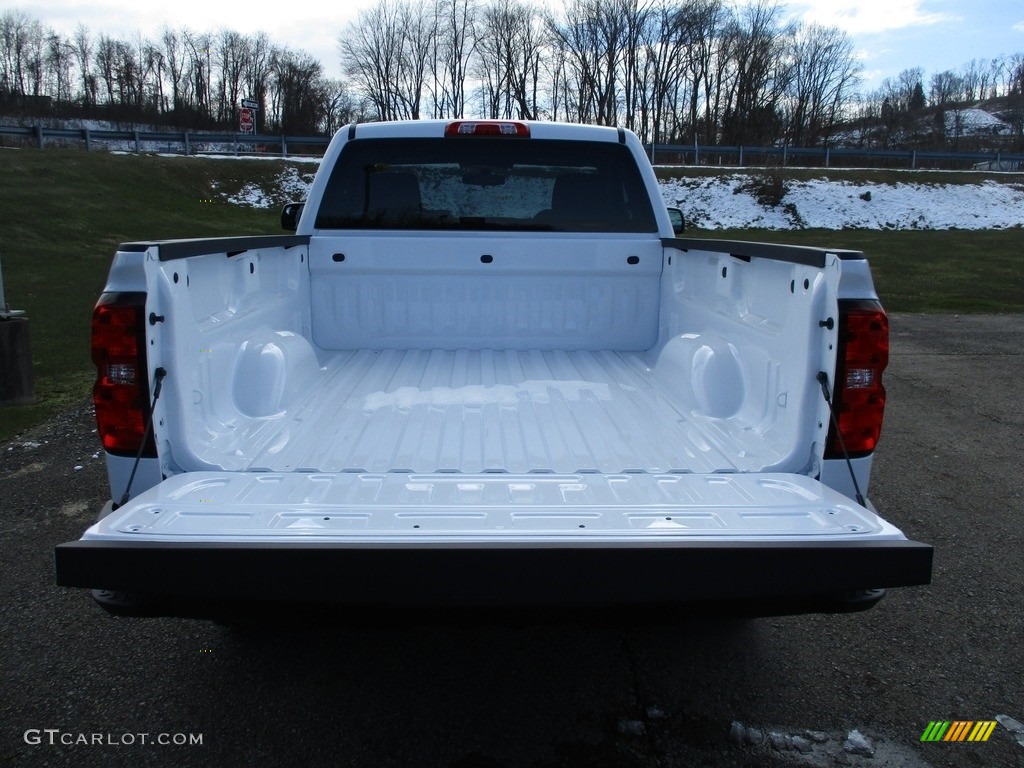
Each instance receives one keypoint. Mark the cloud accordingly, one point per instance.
(1018, 27)
(868, 16)
(867, 55)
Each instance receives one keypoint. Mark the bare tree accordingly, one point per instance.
(1015, 93)
(823, 75)
(902, 93)
(591, 37)
(978, 80)
(199, 55)
(645, 74)
(8, 58)
(232, 55)
(510, 47)
(999, 71)
(342, 106)
(419, 27)
(759, 74)
(60, 57)
(635, 16)
(147, 66)
(84, 53)
(174, 60)
(126, 74)
(664, 48)
(457, 37)
(371, 54)
(299, 92)
(22, 61)
(106, 64)
(699, 27)
(556, 66)
(158, 65)
(946, 88)
(1015, 79)
(256, 75)
(33, 56)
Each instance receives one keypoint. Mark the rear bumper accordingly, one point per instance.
(469, 576)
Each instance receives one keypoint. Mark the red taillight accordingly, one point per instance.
(488, 128)
(859, 396)
(121, 393)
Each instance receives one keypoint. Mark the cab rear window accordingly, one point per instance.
(486, 184)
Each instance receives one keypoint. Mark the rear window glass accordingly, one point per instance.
(486, 184)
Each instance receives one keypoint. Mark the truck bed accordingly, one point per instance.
(580, 360)
(475, 411)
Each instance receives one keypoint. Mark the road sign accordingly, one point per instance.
(250, 104)
(245, 121)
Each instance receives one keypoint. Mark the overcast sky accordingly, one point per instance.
(889, 35)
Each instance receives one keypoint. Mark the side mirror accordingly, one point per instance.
(290, 216)
(676, 217)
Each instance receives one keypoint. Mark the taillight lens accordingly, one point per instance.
(121, 392)
(506, 128)
(859, 396)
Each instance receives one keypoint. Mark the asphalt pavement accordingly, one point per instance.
(83, 688)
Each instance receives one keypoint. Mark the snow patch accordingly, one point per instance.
(1013, 726)
(808, 747)
(858, 744)
(289, 185)
(973, 122)
(727, 202)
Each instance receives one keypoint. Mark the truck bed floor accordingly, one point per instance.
(476, 411)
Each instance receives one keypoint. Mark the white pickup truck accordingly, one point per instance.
(486, 370)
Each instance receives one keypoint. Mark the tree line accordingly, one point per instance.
(671, 70)
(674, 71)
(186, 78)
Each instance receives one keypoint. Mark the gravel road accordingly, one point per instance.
(814, 690)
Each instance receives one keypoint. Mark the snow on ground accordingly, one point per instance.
(729, 202)
(290, 185)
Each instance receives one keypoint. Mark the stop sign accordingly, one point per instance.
(245, 120)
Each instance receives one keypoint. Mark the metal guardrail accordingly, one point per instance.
(912, 157)
(189, 141)
(690, 154)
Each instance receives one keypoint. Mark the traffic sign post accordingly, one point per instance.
(247, 116)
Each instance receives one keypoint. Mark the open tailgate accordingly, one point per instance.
(457, 539)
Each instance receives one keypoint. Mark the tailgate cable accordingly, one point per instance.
(823, 380)
(158, 384)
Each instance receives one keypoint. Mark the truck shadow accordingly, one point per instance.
(530, 689)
